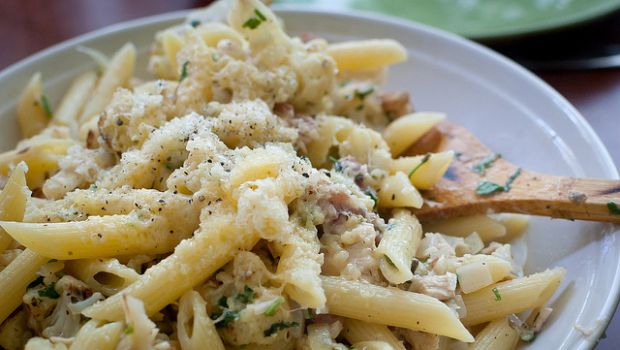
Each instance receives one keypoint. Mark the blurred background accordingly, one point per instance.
(574, 45)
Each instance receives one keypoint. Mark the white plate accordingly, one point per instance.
(511, 110)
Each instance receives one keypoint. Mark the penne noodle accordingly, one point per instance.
(497, 335)
(397, 192)
(33, 109)
(406, 130)
(106, 276)
(98, 236)
(300, 267)
(75, 98)
(194, 327)
(355, 331)
(367, 54)
(487, 228)
(511, 297)
(193, 260)
(424, 171)
(392, 307)
(13, 200)
(398, 247)
(14, 280)
(117, 74)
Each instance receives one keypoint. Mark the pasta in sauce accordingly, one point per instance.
(254, 195)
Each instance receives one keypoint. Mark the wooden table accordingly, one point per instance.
(27, 26)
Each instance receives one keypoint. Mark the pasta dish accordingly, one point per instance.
(259, 193)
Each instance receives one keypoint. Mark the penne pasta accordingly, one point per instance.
(367, 54)
(15, 278)
(510, 297)
(117, 74)
(406, 130)
(300, 267)
(193, 260)
(106, 276)
(194, 327)
(487, 228)
(497, 335)
(424, 171)
(33, 109)
(398, 247)
(99, 236)
(355, 331)
(392, 307)
(397, 192)
(75, 98)
(13, 200)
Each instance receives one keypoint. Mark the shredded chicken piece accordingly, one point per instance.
(441, 287)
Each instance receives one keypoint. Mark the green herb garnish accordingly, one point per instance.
(424, 160)
(129, 329)
(222, 302)
(486, 188)
(36, 282)
(49, 292)
(373, 195)
(260, 15)
(278, 326)
(613, 208)
(194, 23)
(184, 71)
(486, 163)
(93, 187)
(246, 296)
(389, 261)
(512, 179)
(254, 22)
(498, 297)
(271, 310)
(46, 107)
(361, 94)
(224, 319)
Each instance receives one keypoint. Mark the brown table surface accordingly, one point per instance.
(27, 26)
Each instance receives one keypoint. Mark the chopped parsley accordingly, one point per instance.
(271, 310)
(613, 208)
(512, 179)
(424, 160)
(278, 326)
(171, 166)
(222, 302)
(224, 319)
(337, 165)
(486, 188)
(498, 297)
(254, 22)
(389, 261)
(361, 94)
(93, 187)
(36, 282)
(486, 163)
(246, 296)
(129, 329)
(184, 71)
(46, 107)
(194, 23)
(373, 195)
(49, 292)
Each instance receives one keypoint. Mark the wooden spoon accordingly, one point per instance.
(530, 193)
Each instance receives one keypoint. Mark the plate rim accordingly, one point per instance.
(569, 111)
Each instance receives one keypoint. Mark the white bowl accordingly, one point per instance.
(508, 108)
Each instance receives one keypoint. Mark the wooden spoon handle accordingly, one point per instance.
(535, 194)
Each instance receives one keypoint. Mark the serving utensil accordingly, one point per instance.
(478, 181)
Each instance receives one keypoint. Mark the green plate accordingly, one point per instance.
(480, 19)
